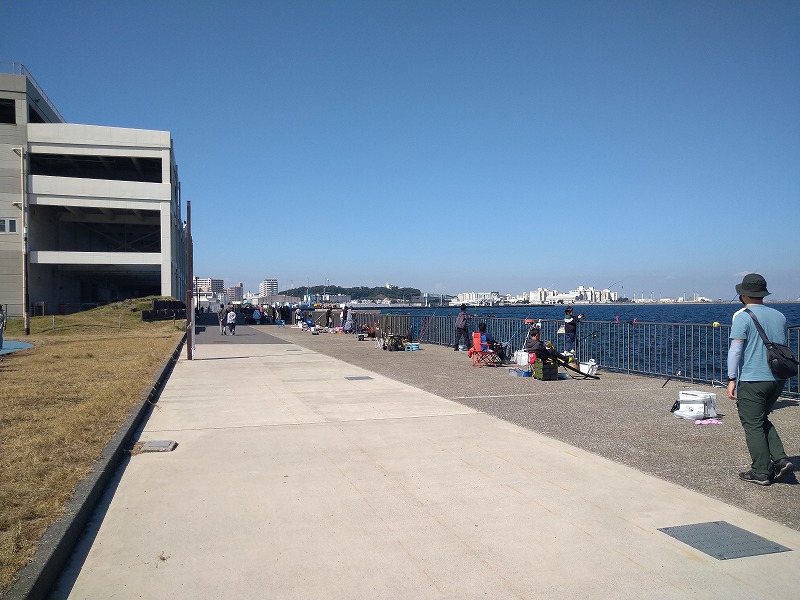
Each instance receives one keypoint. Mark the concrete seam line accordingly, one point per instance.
(36, 579)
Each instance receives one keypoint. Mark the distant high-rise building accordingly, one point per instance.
(235, 293)
(208, 285)
(268, 287)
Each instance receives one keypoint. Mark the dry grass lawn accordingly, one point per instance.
(62, 401)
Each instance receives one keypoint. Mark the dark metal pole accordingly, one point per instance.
(26, 292)
(189, 279)
(24, 207)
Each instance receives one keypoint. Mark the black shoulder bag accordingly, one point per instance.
(780, 358)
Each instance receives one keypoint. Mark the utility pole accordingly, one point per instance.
(189, 278)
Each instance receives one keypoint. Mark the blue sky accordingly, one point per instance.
(454, 145)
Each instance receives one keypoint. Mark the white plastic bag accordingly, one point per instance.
(521, 358)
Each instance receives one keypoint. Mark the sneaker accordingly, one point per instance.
(781, 468)
(754, 477)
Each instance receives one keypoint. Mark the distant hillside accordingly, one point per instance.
(357, 293)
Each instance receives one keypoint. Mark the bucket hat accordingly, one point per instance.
(753, 285)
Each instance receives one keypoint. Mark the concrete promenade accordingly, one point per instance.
(319, 467)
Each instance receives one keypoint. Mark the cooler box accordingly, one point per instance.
(545, 371)
(588, 368)
(703, 404)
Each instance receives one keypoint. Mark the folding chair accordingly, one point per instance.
(481, 357)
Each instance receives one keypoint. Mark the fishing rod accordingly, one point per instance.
(526, 322)
(425, 323)
(617, 318)
(674, 374)
(615, 322)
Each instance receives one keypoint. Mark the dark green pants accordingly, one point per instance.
(755, 400)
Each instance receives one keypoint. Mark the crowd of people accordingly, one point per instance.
(251, 314)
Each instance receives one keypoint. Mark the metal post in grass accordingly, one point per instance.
(189, 277)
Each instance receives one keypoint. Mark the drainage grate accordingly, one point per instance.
(358, 377)
(156, 446)
(723, 540)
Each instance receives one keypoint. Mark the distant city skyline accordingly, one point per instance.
(673, 291)
(475, 295)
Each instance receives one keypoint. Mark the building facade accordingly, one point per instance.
(235, 293)
(268, 287)
(100, 206)
(208, 285)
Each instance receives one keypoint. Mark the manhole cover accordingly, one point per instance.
(358, 377)
(723, 540)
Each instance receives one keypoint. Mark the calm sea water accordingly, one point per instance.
(643, 313)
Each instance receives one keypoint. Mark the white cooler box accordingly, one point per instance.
(696, 405)
(521, 358)
(588, 368)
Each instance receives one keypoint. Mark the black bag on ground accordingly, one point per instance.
(780, 358)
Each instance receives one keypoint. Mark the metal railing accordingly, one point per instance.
(696, 353)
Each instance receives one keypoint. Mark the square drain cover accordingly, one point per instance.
(723, 540)
(358, 377)
(156, 446)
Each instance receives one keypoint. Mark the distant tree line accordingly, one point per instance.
(356, 293)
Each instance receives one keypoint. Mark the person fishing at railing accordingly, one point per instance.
(462, 328)
(570, 330)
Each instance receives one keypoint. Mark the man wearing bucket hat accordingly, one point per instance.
(752, 384)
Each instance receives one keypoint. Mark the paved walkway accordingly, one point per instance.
(299, 475)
